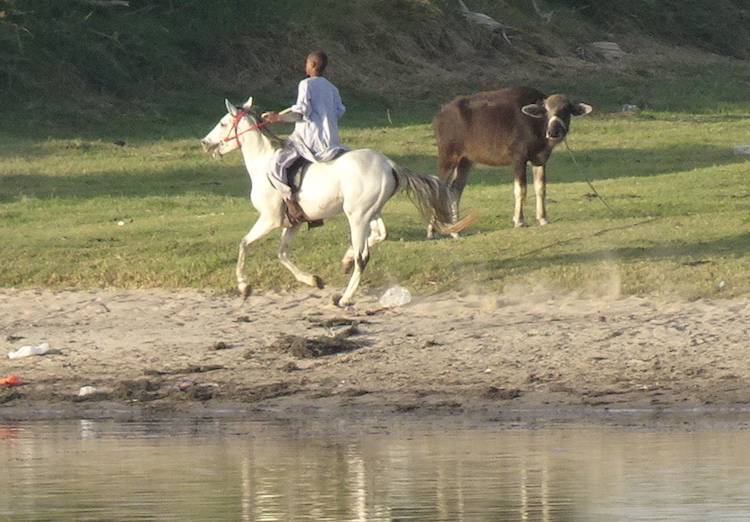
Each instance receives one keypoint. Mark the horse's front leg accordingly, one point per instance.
(303, 277)
(540, 188)
(258, 230)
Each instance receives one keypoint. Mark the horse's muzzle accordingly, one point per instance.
(211, 148)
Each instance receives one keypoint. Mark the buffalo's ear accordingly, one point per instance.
(579, 109)
(231, 109)
(534, 110)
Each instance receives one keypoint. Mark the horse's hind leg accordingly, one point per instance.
(358, 229)
(378, 234)
(303, 277)
(258, 230)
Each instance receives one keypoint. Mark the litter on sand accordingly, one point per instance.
(86, 391)
(26, 351)
(10, 380)
(395, 296)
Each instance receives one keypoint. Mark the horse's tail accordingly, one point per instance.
(434, 199)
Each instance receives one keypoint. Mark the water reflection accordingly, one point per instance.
(219, 470)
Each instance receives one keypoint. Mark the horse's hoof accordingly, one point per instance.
(455, 235)
(543, 222)
(519, 224)
(319, 282)
(346, 266)
(245, 291)
(336, 298)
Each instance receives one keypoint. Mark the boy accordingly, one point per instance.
(316, 133)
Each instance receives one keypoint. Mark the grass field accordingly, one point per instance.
(156, 212)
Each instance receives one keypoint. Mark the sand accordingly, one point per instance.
(294, 354)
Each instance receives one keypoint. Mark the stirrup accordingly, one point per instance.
(315, 223)
(295, 217)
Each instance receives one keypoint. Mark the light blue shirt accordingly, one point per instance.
(319, 103)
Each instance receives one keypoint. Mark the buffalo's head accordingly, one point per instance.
(556, 110)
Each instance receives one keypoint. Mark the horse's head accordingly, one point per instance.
(225, 136)
(557, 110)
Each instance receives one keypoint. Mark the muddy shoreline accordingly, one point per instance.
(528, 355)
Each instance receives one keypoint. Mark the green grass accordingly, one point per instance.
(679, 224)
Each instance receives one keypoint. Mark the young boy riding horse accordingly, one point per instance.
(316, 133)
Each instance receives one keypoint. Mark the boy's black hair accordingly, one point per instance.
(321, 60)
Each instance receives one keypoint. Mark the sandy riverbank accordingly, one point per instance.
(174, 352)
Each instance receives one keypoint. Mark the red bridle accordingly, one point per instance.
(237, 118)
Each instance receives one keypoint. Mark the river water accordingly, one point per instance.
(230, 470)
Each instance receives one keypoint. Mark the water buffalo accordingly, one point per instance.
(505, 127)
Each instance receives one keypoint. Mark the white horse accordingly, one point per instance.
(358, 184)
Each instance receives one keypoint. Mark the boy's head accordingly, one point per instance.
(316, 63)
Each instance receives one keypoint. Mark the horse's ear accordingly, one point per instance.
(231, 109)
(248, 104)
(579, 109)
(534, 110)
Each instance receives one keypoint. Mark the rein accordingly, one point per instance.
(591, 185)
(237, 118)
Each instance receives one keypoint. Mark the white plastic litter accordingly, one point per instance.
(26, 351)
(87, 390)
(395, 296)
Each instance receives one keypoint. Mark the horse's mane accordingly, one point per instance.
(276, 141)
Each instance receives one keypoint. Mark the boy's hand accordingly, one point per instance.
(271, 117)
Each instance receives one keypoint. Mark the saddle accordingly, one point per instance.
(295, 174)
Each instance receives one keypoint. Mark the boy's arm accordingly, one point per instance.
(340, 108)
(296, 112)
(303, 106)
(289, 116)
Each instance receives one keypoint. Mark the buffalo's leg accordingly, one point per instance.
(457, 182)
(447, 169)
(519, 193)
(540, 189)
